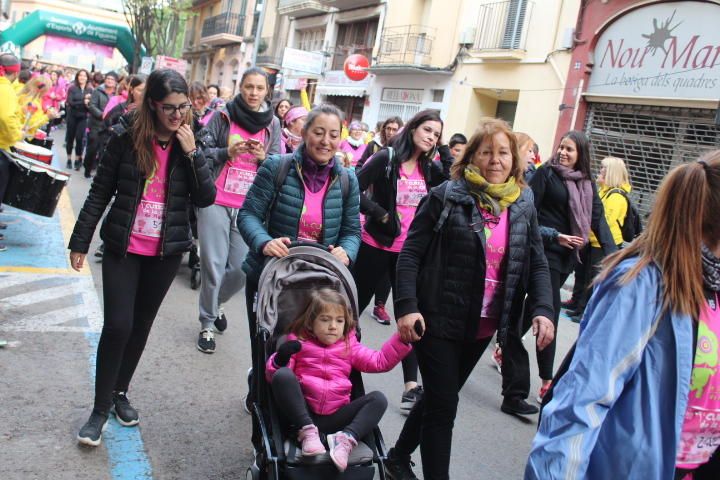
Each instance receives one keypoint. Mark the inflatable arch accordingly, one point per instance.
(41, 22)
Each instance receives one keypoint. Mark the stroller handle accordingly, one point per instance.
(306, 243)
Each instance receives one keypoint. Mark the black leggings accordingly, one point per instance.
(134, 286)
(445, 366)
(382, 291)
(74, 134)
(371, 266)
(357, 418)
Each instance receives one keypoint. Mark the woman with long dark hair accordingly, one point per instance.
(236, 141)
(154, 171)
(400, 175)
(644, 374)
(569, 208)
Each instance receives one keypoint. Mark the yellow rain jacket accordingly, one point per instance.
(616, 208)
(10, 122)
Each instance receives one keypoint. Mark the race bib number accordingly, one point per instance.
(410, 192)
(696, 449)
(238, 180)
(149, 219)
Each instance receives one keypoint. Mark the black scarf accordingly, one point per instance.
(711, 270)
(248, 119)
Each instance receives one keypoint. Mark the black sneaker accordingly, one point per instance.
(220, 323)
(78, 164)
(68, 165)
(206, 341)
(91, 433)
(409, 398)
(125, 414)
(398, 467)
(518, 406)
(100, 251)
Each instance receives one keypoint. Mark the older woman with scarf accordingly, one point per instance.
(236, 141)
(569, 208)
(472, 254)
(293, 122)
(354, 145)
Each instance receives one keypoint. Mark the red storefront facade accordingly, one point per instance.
(644, 84)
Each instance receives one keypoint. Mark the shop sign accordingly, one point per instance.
(666, 50)
(337, 78)
(295, 83)
(402, 95)
(302, 61)
(177, 64)
(356, 66)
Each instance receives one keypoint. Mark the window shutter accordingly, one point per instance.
(514, 24)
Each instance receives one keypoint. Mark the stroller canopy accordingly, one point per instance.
(286, 282)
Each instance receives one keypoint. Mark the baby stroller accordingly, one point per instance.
(194, 255)
(282, 296)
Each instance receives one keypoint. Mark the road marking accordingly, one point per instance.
(49, 303)
(125, 447)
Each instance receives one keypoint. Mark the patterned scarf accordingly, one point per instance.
(711, 270)
(493, 197)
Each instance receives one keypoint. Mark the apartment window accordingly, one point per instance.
(438, 96)
(517, 9)
(357, 37)
(311, 40)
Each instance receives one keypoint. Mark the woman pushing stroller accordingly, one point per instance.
(311, 373)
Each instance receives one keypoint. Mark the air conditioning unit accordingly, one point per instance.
(467, 37)
(568, 38)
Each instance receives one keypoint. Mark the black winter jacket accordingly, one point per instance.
(76, 101)
(552, 204)
(448, 291)
(382, 176)
(189, 181)
(98, 102)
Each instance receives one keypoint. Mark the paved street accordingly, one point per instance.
(193, 425)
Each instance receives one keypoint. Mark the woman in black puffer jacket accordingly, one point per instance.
(472, 254)
(155, 172)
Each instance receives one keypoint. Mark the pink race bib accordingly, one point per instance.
(239, 180)
(149, 219)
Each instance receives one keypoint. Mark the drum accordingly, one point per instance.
(34, 186)
(34, 152)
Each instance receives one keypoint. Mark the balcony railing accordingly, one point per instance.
(503, 25)
(406, 45)
(224, 24)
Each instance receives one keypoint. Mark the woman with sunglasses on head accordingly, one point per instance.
(236, 142)
(154, 171)
(202, 113)
(400, 175)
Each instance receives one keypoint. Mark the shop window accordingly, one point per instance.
(438, 96)
(402, 110)
(506, 111)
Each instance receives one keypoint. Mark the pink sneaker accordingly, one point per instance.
(309, 437)
(341, 444)
(541, 394)
(380, 314)
(497, 358)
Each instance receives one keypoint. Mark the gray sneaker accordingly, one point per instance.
(206, 341)
(91, 433)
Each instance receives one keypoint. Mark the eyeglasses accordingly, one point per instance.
(169, 110)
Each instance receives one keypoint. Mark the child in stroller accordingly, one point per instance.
(311, 373)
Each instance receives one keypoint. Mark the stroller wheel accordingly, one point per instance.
(195, 278)
(253, 473)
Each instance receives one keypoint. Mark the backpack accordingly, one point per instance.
(632, 227)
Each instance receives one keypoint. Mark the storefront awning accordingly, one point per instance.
(340, 91)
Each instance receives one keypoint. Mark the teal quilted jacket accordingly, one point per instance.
(258, 225)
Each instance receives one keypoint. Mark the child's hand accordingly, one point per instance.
(286, 350)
